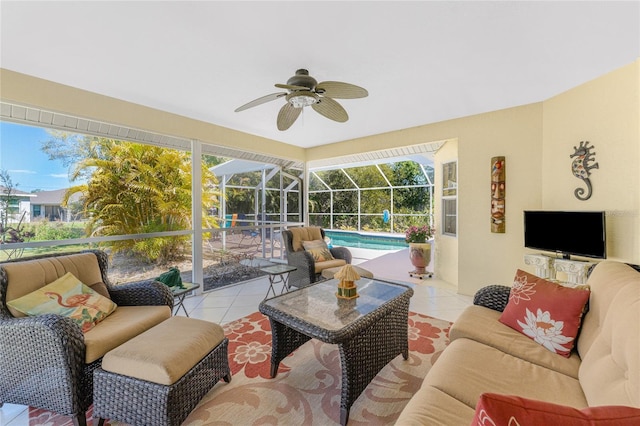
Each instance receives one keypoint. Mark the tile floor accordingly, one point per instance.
(431, 297)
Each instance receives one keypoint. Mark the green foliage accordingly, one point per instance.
(211, 160)
(53, 231)
(412, 200)
(367, 176)
(134, 188)
(375, 200)
(7, 198)
(401, 223)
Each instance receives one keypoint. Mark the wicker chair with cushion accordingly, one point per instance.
(309, 268)
(47, 361)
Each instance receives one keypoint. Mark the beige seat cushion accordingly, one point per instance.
(468, 369)
(481, 324)
(123, 324)
(149, 356)
(335, 263)
(27, 276)
(430, 406)
(330, 272)
(307, 233)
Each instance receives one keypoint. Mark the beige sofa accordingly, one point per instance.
(46, 361)
(488, 356)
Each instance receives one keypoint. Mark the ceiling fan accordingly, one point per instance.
(303, 90)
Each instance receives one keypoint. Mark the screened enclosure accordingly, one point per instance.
(385, 197)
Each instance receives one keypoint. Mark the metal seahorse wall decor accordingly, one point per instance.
(582, 169)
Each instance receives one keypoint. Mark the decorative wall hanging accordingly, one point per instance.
(582, 169)
(498, 182)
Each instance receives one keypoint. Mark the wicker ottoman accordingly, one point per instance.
(159, 376)
(328, 273)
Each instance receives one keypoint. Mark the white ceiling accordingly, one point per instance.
(421, 62)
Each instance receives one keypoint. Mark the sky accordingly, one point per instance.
(30, 168)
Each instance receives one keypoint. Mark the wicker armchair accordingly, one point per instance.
(308, 270)
(493, 297)
(42, 358)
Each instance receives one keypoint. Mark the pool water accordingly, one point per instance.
(366, 241)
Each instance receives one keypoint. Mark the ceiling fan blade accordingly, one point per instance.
(260, 101)
(291, 87)
(331, 109)
(287, 116)
(339, 90)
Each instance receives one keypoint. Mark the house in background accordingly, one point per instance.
(41, 205)
(47, 205)
(19, 203)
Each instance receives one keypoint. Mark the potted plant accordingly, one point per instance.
(419, 248)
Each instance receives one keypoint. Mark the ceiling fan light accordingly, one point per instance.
(301, 100)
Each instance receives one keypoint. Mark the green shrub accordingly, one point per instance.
(54, 231)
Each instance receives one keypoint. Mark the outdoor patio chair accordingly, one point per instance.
(47, 361)
(253, 235)
(231, 221)
(308, 269)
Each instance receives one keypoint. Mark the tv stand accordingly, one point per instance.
(548, 267)
(543, 264)
(576, 271)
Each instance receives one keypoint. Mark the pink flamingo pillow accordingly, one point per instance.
(66, 296)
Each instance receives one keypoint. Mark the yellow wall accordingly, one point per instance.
(476, 257)
(446, 246)
(30, 91)
(536, 140)
(605, 112)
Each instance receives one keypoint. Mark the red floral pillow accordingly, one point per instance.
(497, 410)
(547, 312)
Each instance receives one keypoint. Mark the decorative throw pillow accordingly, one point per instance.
(318, 249)
(101, 289)
(494, 410)
(69, 297)
(547, 312)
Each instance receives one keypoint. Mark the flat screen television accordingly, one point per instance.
(577, 233)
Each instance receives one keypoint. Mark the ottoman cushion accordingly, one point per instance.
(164, 353)
(330, 272)
(122, 325)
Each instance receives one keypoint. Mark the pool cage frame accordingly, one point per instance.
(389, 216)
(261, 187)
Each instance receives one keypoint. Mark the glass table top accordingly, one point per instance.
(318, 304)
(278, 269)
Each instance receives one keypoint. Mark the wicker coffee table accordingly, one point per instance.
(370, 330)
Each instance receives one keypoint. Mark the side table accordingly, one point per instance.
(278, 274)
(180, 294)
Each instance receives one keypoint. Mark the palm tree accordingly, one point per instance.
(135, 188)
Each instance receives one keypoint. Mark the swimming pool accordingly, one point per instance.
(366, 241)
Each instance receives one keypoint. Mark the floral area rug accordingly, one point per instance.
(306, 390)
